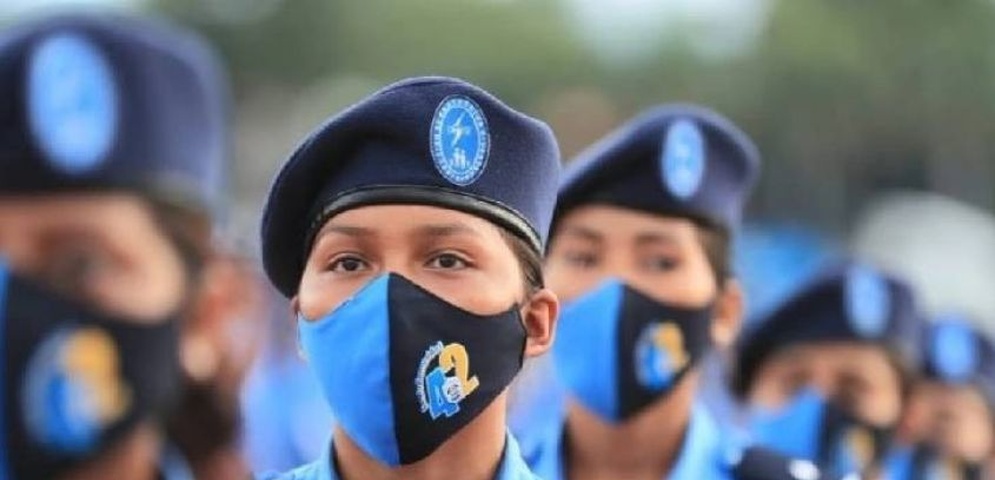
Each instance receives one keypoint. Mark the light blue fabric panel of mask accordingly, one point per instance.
(343, 372)
(588, 327)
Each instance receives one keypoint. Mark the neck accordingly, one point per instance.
(644, 447)
(224, 463)
(135, 456)
(473, 453)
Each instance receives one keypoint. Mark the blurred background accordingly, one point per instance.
(876, 120)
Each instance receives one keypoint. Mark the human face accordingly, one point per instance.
(955, 419)
(459, 257)
(105, 250)
(663, 257)
(860, 376)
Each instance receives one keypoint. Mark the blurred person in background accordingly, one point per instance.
(827, 375)
(640, 249)
(950, 425)
(407, 232)
(120, 311)
(285, 418)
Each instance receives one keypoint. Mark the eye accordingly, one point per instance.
(854, 387)
(75, 269)
(583, 260)
(348, 264)
(447, 261)
(660, 263)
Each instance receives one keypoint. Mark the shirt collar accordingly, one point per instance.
(512, 467)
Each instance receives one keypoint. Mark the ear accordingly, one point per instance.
(728, 318)
(222, 331)
(540, 315)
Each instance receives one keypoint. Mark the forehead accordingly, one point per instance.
(609, 221)
(407, 220)
(69, 210)
(835, 357)
(949, 392)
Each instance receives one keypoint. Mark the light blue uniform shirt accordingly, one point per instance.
(707, 452)
(512, 466)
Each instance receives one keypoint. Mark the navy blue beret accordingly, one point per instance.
(681, 160)
(848, 301)
(430, 141)
(957, 353)
(94, 101)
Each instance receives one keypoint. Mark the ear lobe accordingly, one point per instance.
(729, 309)
(539, 317)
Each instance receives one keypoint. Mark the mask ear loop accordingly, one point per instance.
(301, 353)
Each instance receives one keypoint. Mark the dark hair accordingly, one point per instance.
(529, 261)
(716, 242)
(189, 232)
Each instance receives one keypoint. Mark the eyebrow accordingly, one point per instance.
(446, 230)
(583, 232)
(652, 238)
(346, 230)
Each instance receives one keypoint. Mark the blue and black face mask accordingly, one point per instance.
(74, 381)
(817, 430)
(404, 370)
(617, 351)
(930, 464)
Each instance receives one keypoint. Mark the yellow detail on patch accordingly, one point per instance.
(861, 443)
(454, 356)
(670, 339)
(951, 470)
(91, 358)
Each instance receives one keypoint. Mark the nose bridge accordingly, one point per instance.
(397, 261)
(824, 382)
(619, 263)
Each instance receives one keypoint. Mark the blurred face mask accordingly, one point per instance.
(618, 351)
(929, 464)
(404, 370)
(817, 430)
(75, 381)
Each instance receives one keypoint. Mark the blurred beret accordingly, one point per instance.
(429, 141)
(957, 353)
(678, 159)
(90, 101)
(847, 301)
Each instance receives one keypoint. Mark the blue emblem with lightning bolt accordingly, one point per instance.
(460, 140)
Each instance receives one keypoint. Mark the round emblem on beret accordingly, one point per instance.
(868, 302)
(72, 102)
(953, 351)
(460, 140)
(683, 161)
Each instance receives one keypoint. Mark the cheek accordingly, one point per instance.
(690, 285)
(318, 296)
(145, 287)
(772, 388)
(883, 404)
(484, 292)
(697, 284)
